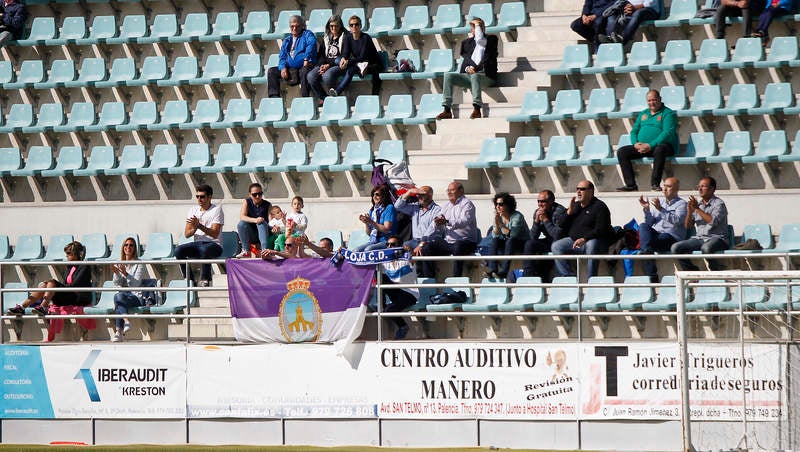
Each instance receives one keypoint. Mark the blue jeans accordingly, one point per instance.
(651, 241)
(328, 79)
(766, 18)
(709, 246)
(249, 232)
(122, 302)
(500, 246)
(198, 250)
(371, 246)
(564, 246)
(639, 16)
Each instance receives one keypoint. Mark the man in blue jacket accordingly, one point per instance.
(12, 21)
(591, 23)
(298, 56)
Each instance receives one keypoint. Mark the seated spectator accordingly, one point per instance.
(127, 275)
(457, 232)
(709, 217)
(297, 57)
(587, 230)
(663, 225)
(359, 57)
(625, 17)
(418, 204)
(546, 228)
(399, 271)
(329, 56)
(509, 232)
(478, 69)
(773, 10)
(203, 225)
(745, 9)
(277, 228)
(294, 249)
(381, 220)
(654, 134)
(592, 22)
(324, 249)
(253, 224)
(296, 220)
(12, 23)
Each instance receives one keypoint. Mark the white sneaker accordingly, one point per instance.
(332, 92)
(126, 328)
(243, 255)
(117, 337)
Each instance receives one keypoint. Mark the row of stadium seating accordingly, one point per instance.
(185, 71)
(197, 157)
(258, 25)
(208, 113)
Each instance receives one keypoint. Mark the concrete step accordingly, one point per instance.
(537, 50)
(565, 6)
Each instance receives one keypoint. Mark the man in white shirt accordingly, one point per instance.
(203, 224)
(458, 231)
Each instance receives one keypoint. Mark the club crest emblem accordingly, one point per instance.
(300, 315)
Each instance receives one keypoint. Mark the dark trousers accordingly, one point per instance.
(400, 301)
(651, 241)
(626, 154)
(766, 18)
(540, 268)
(274, 81)
(443, 248)
(198, 250)
(639, 16)
(373, 70)
(589, 32)
(709, 246)
(500, 246)
(734, 11)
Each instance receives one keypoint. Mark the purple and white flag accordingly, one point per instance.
(297, 300)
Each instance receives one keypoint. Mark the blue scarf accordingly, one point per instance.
(374, 257)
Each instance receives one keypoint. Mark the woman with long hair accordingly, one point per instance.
(509, 233)
(329, 56)
(381, 220)
(127, 275)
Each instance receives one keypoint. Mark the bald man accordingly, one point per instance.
(664, 223)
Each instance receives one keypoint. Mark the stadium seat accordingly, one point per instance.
(226, 25)
(795, 154)
(195, 157)
(563, 294)
(633, 298)
(43, 29)
(677, 53)
(665, 300)
(101, 158)
(534, 104)
(561, 149)
(748, 52)
(453, 283)
(6, 72)
(448, 17)
(700, 147)
(783, 296)
(493, 151)
(568, 102)
(527, 150)
(123, 71)
(258, 25)
(247, 67)
(164, 26)
(609, 56)
(301, 110)
(357, 238)
(440, 61)
(357, 156)
(93, 70)
(713, 52)
(366, 108)
(489, 297)
(144, 114)
(207, 112)
(116, 246)
(282, 24)
(105, 305)
(184, 71)
(782, 52)
(28, 247)
(11, 299)
(430, 104)
(318, 20)
(524, 298)
(269, 111)
(10, 160)
(789, 239)
(400, 107)
(405, 54)
(777, 97)
(392, 151)
(415, 19)
(596, 150)
(260, 157)
(772, 144)
(19, 116)
(55, 249)
(634, 102)
(102, 29)
(680, 12)
(511, 16)
(735, 145)
(708, 296)
(292, 155)
(674, 97)
(175, 301)
(237, 112)
(165, 156)
(159, 246)
(30, 72)
(334, 109)
(382, 21)
(742, 97)
(134, 26)
(70, 158)
(133, 157)
(176, 112)
(760, 232)
(5, 252)
(153, 69)
(602, 101)
(50, 116)
(112, 115)
(483, 10)
(576, 57)
(707, 98)
(596, 298)
(61, 72)
(229, 156)
(334, 235)
(326, 153)
(72, 29)
(39, 158)
(643, 55)
(217, 68)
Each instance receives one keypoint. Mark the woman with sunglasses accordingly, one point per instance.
(381, 220)
(359, 57)
(329, 55)
(253, 224)
(127, 275)
(509, 233)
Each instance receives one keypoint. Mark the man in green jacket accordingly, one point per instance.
(654, 134)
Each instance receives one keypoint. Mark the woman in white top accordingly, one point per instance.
(127, 275)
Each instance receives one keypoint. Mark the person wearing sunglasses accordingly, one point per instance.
(509, 232)
(293, 249)
(359, 57)
(546, 227)
(587, 230)
(127, 275)
(253, 224)
(203, 225)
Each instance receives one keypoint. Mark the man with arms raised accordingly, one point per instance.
(709, 216)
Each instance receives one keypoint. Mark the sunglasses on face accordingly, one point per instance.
(392, 244)
(129, 244)
(201, 196)
(257, 194)
(582, 188)
(500, 204)
(288, 245)
(355, 24)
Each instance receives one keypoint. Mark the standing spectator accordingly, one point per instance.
(457, 231)
(745, 9)
(253, 224)
(654, 134)
(588, 230)
(422, 213)
(775, 9)
(627, 16)
(359, 57)
(478, 69)
(298, 56)
(277, 228)
(398, 271)
(509, 232)
(381, 220)
(592, 22)
(203, 224)
(709, 216)
(664, 224)
(127, 275)
(296, 220)
(12, 26)
(545, 229)
(329, 56)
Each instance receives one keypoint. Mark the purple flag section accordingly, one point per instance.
(297, 300)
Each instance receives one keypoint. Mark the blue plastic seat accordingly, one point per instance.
(366, 108)
(561, 149)
(55, 249)
(576, 57)
(357, 156)
(261, 156)
(493, 151)
(196, 157)
(326, 153)
(165, 156)
(102, 29)
(609, 56)
(123, 71)
(643, 55)
(511, 16)
(777, 98)
(735, 145)
(11, 299)
(144, 114)
(72, 29)
(674, 97)
(772, 144)
(133, 157)
(293, 154)
(789, 239)
(430, 105)
(784, 295)
(154, 69)
(440, 61)
(563, 294)
(489, 298)
(101, 158)
(134, 26)
(596, 298)
(707, 98)
(357, 238)
(237, 112)
(527, 150)
(782, 52)
(19, 116)
(405, 54)
(759, 232)
(282, 23)
(634, 102)
(302, 110)
(524, 298)
(112, 114)
(10, 160)
(176, 112)
(195, 26)
(415, 19)
(70, 158)
(454, 285)
(258, 25)
(391, 150)
(355, 11)
(269, 111)
(448, 17)
(700, 147)
(6, 72)
(681, 11)
(602, 101)
(28, 247)
(50, 116)
(217, 68)
(229, 156)
(794, 155)
(318, 19)
(665, 299)
(633, 298)
(159, 246)
(708, 295)
(483, 10)
(226, 24)
(677, 54)
(207, 112)
(105, 305)
(713, 52)
(43, 29)
(116, 246)
(176, 301)
(247, 67)
(184, 71)
(596, 150)
(568, 102)
(39, 158)
(334, 109)
(742, 97)
(383, 21)
(93, 70)
(61, 72)
(400, 107)
(30, 72)
(534, 104)
(749, 51)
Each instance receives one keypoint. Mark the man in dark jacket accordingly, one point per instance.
(545, 229)
(591, 23)
(12, 21)
(478, 69)
(587, 230)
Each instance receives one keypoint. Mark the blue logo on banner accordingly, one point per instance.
(85, 373)
(23, 384)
